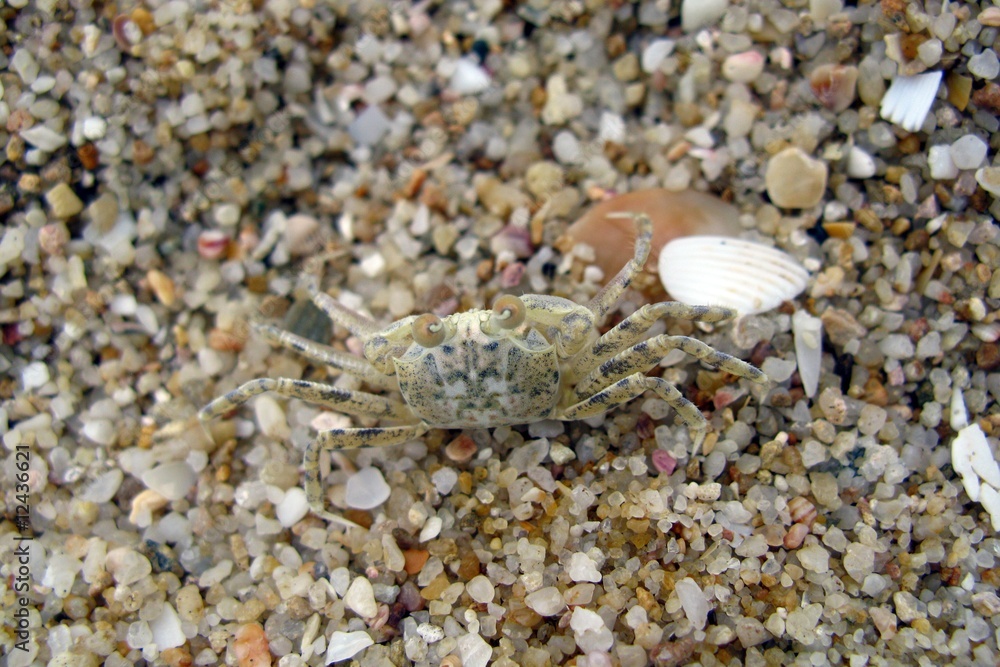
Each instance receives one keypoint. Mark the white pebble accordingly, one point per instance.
(693, 601)
(166, 629)
(44, 138)
(60, 573)
(94, 128)
(655, 53)
(360, 598)
(546, 601)
(127, 566)
(366, 489)
(985, 65)
(171, 480)
(103, 488)
(444, 480)
(743, 67)
(345, 645)
(25, 65)
(481, 589)
(468, 78)
(698, 13)
(968, 152)
(941, 165)
(35, 375)
(370, 126)
(583, 568)
(271, 418)
(474, 651)
(292, 508)
(566, 148)
(860, 164)
(100, 431)
(590, 631)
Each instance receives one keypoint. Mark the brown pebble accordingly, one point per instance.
(225, 341)
(834, 85)
(672, 654)
(89, 156)
(796, 534)
(414, 560)
(988, 356)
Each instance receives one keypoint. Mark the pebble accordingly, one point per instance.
(590, 631)
(166, 629)
(44, 138)
(743, 67)
(346, 645)
(366, 489)
(693, 601)
(473, 650)
(985, 65)
(859, 163)
(35, 376)
(127, 566)
(696, 14)
(480, 589)
(370, 126)
(360, 598)
(968, 152)
(546, 601)
(468, 78)
(582, 567)
(173, 481)
(560, 105)
(859, 560)
(989, 179)
(655, 53)
(292, 508)
(814, 558)
(941, 164)
(271, 418)
(795, 180)
(63, 202)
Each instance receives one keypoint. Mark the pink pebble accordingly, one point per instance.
(664, 462)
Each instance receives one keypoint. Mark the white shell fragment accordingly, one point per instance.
(909, 98)
(808, 332)
(723, 271)
(344, 645)
(973, 460)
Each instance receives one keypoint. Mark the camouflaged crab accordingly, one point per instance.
(530, 358)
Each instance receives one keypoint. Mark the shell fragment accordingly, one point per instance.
(973, 460)
(808, 332)
(723, 271)
(909, 98)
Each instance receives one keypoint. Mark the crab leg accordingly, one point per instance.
(325, 355)
(645, 355)
(630, 331)
(606, 299)
(633, 386)
(360, 325)
(349, 438)
(343, 400)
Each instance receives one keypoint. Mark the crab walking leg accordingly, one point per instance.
(342, 400)
(631, 387)
(606, 299)
(360, 325)
(325, 355)
(348, 438)
(645, 355)
(631, 330)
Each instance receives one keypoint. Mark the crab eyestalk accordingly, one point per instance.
(428, 330)
(508, 313)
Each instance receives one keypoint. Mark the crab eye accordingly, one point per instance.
(509, 311)
(428, 330)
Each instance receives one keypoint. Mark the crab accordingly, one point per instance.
(529, 358)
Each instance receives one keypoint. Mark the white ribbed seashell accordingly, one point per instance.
(723, 271)
(909, 98)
